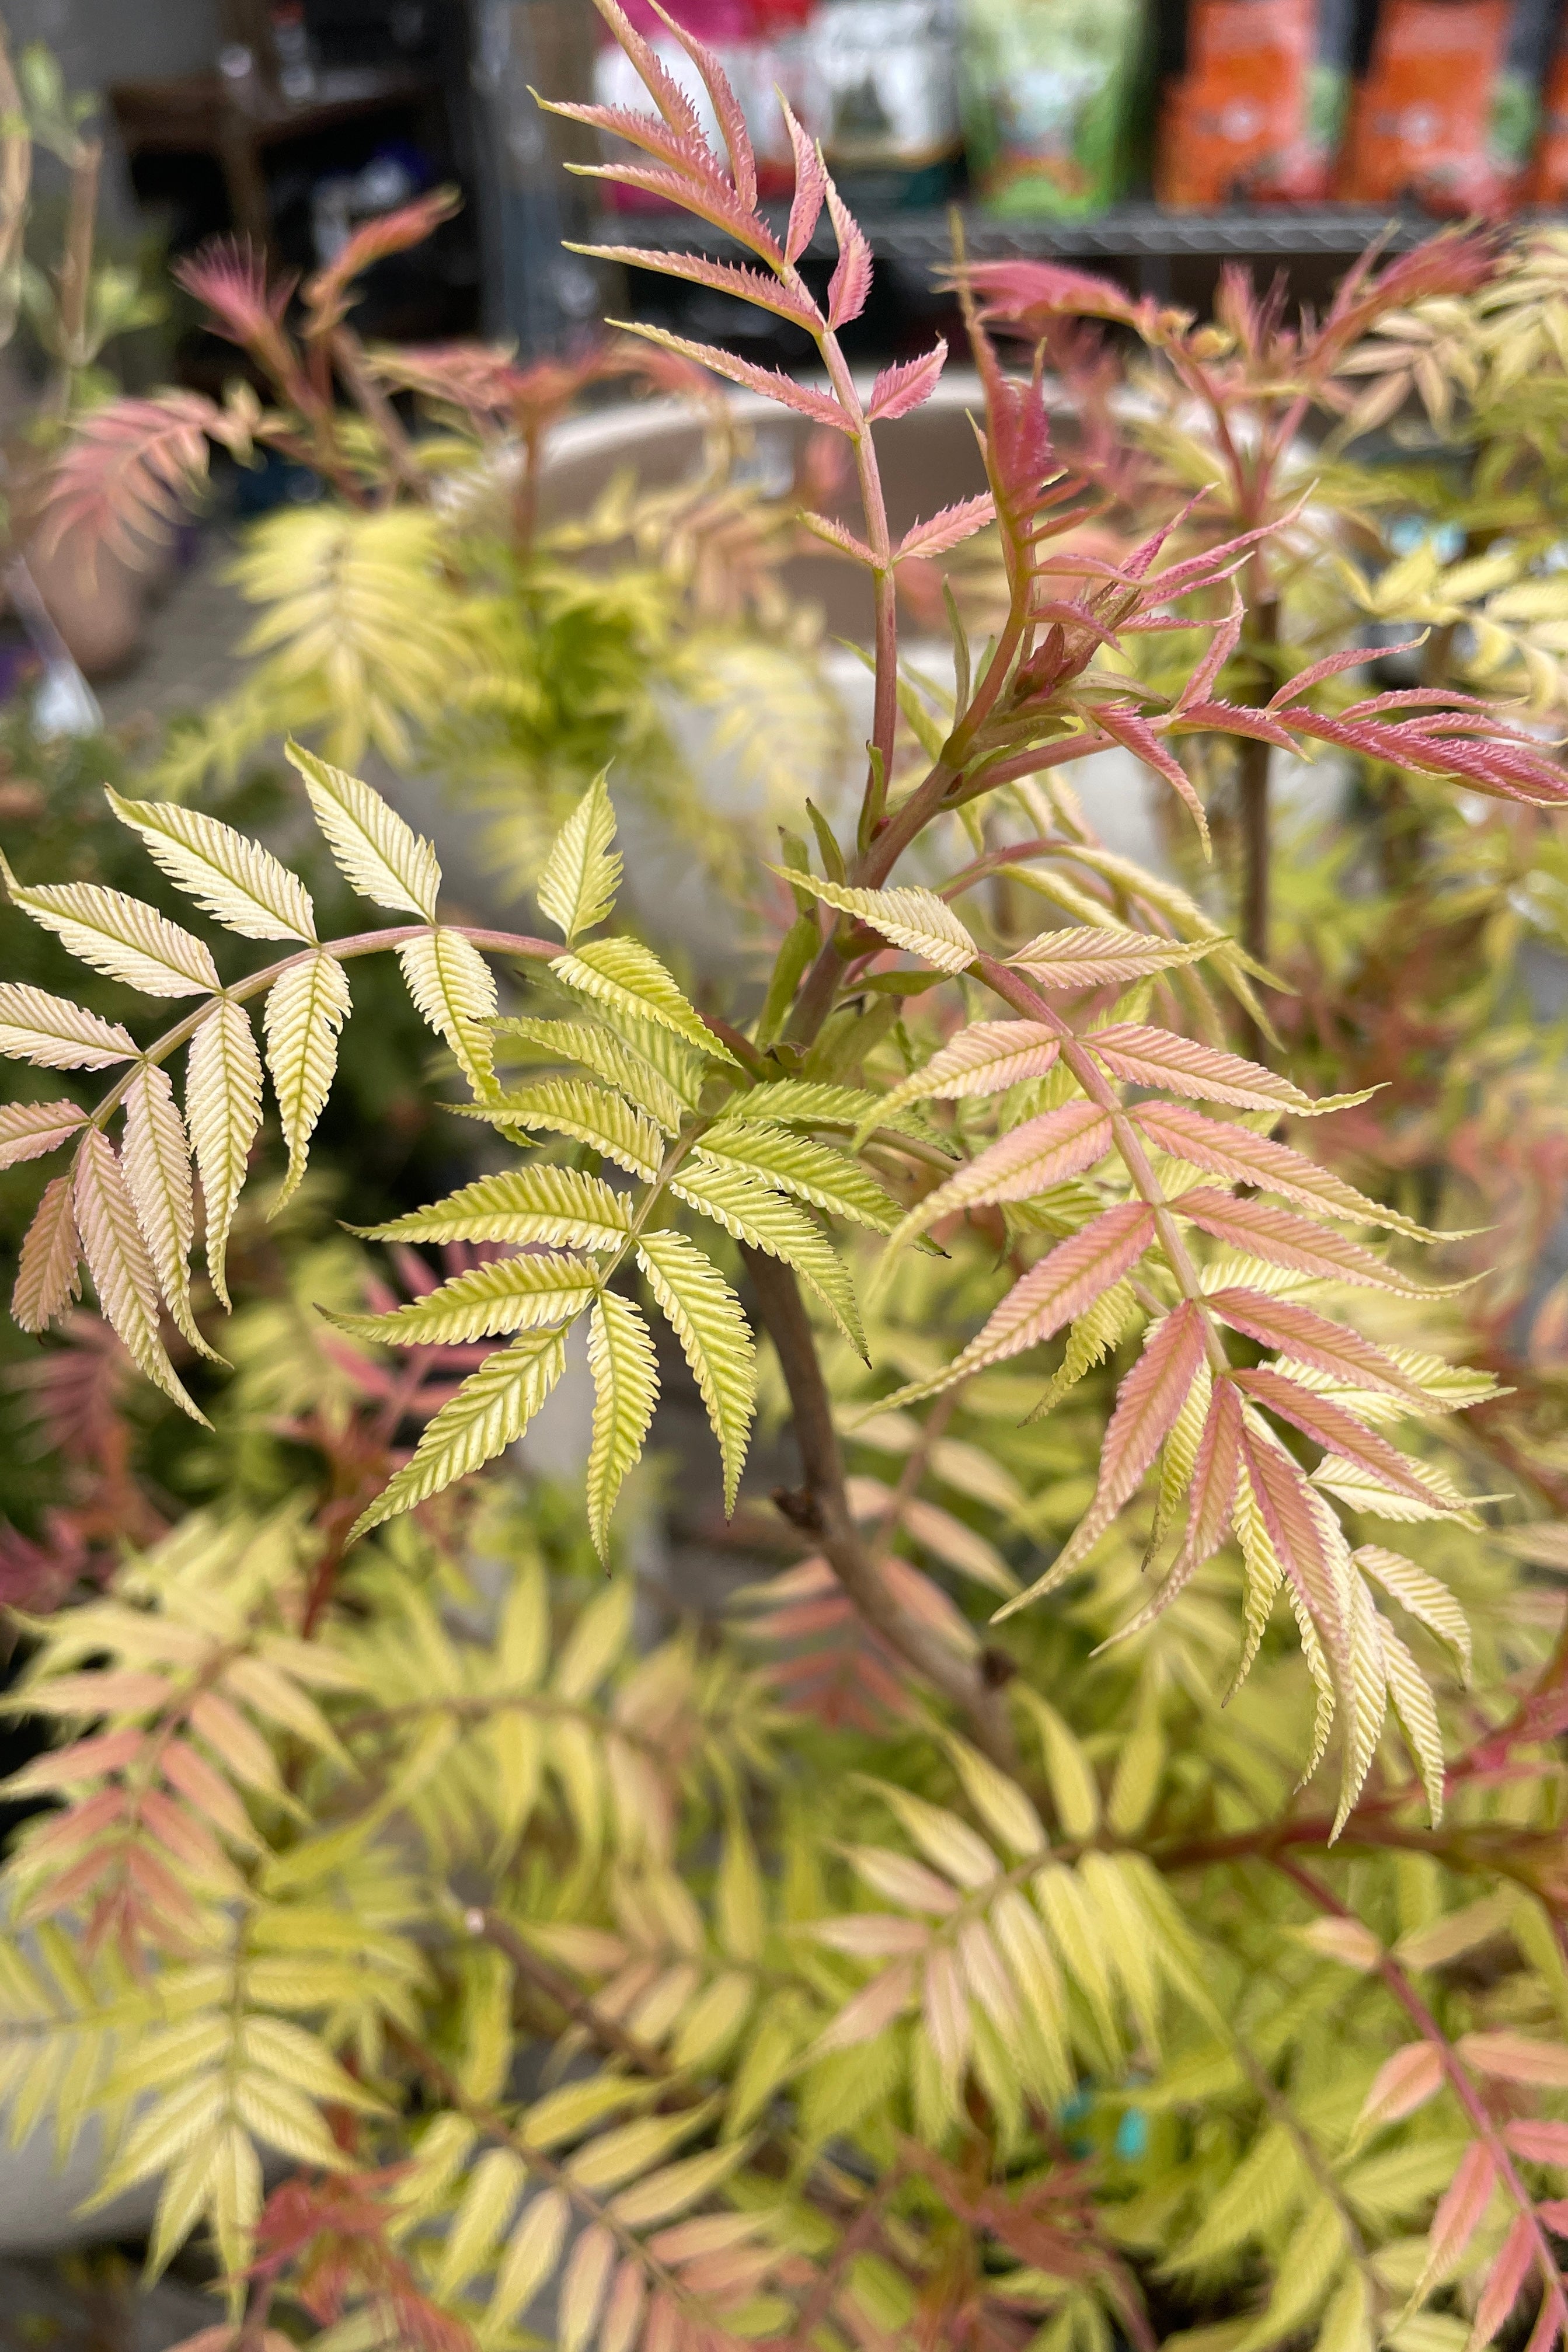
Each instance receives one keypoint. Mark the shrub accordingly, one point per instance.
(934, 1981)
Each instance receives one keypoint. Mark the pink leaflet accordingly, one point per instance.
(1222, 644)
(1281, 1238)
(1209, 1505)
(1516, 2058)
(1155, 1058)
(1237, 718)
(989, 1057)
(1313, 1338)
(1290, 1510)
(862, 2018)
(1333, 666)
(835, 534)
(1133, 731)
(769, 382)
(648, 131)
(904, 387)
(810, 187)
(1243, 1157)
(1069, 1279)
(1540, 2143)
(851, 280)
(1043, 1152)
(29, 1130)
(1461, 2208)
(712, 199)
(1328, 1425)
(659, 81)
(766, 293)
(1402, 2083)
(1503, 766)
(726, 107)
(1147, 1404)
(947, 529)
(1505, 2279)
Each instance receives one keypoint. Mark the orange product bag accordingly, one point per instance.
(1549, 169)
(1423, 121)
(1253, 115)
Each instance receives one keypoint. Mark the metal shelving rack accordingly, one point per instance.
(1128, 232)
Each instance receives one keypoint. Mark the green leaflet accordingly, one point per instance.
(629, 978)
(618, 1064)
(912, 918)
(706, 1317)
(521, 1205)
(754, 1214)
(588, 1113)
(813, 1102)
(454, 991)
(582, 872)
(305, 1011)
(491, 1408)
(815, 1171)
(381, 857)
(512, 1294)
(625, 1390)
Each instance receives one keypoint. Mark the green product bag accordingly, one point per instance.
(1051, 91)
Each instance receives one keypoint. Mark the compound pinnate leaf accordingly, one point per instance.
(913, 919)
(120, 937)
(707, 1319)
(381, 857)
(628, 977)
(121, 1270)
(55, 1034)
(491, 1408)
(223, 1108)
(305, 1011)
(232, 879)
(583, 873)
(29, 1130)
(625, 1390)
